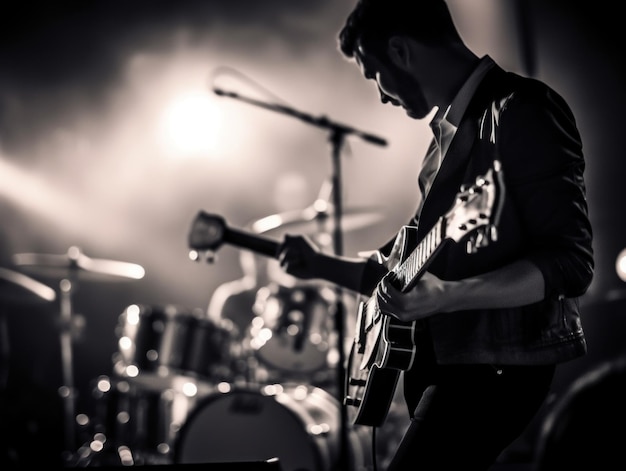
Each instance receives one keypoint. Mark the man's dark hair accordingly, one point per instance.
(373, 22)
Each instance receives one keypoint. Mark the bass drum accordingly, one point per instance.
(298, 424)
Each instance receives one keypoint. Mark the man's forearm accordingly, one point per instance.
(517, 284)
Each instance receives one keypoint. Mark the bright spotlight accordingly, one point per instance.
(191, 125)
(620, 265)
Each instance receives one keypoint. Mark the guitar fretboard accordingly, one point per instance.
(411, 268)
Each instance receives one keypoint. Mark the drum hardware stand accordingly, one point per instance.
(338, 132)
(5, 351)
(67, 390)
(15, 289)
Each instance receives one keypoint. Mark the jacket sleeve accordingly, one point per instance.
(541, 152)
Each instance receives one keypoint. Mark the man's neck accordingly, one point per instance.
(454, 70)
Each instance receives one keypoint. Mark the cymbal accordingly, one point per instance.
(319, 217)
(18, 288)
(76, 264)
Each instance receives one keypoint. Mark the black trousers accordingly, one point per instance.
(464, 416)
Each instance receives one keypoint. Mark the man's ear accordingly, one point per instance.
(399, 52)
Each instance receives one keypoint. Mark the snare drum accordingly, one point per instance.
(157, 342)
(298, 424)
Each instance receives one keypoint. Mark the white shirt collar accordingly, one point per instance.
(450, 118)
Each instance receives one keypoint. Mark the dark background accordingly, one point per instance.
(83, 86)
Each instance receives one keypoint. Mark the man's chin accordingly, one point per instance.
(412, 114)
(417, 112)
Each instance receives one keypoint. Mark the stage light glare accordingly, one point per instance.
(190, 126)
(620, 265)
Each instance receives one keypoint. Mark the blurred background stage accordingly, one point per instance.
(112, 139)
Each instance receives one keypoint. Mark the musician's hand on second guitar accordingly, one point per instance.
(298, 256)
(422, 301)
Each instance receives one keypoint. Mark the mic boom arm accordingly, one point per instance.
(319, 121)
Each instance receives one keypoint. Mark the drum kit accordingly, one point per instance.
(185, 389)
(69, 268)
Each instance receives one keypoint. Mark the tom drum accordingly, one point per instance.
(158, 342)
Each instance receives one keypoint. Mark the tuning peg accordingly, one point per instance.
(470, 245)
(481, 181)
(493, 233)
(208, 256)
(481, 239)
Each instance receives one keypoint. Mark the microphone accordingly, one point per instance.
(374, 139)
(220, 92)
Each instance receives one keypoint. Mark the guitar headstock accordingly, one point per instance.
(477, 210)
(207, 232)
(210, 231)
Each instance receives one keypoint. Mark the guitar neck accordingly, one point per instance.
(258, 244)
(411, 269)
(407, 273)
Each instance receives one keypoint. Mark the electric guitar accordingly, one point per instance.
(383, 346)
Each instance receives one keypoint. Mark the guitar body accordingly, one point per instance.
(369, 390)
(383, 347)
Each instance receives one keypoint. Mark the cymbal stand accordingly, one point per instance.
(71, 265)
(5, 350)
(337, 138)
(67, 390)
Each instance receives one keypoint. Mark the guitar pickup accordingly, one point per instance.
(357, 382)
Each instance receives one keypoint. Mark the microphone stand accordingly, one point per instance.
(338, 132)
(337, 138)
(319, 121)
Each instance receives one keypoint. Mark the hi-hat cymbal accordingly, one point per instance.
(76, 264)
(317, 218)
(18, 288)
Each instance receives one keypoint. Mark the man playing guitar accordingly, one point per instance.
(489, 326)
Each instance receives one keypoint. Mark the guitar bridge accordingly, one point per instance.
(351, 401)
